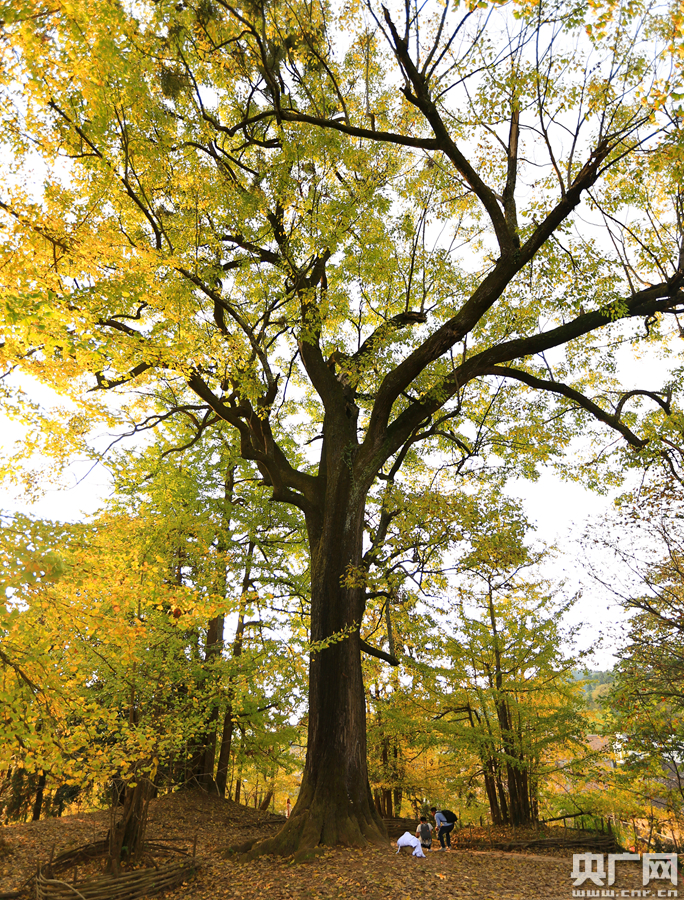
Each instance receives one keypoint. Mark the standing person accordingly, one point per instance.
(424, 832)
(445, 821)
(288, 808)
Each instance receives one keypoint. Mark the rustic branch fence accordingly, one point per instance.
(129, 886)
(51, 881)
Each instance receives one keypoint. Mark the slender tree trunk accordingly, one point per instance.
(516, 768)
(205, 758)
(519, 811)
(490, 788)
(204, 773)
(398, 772)
(498, 803)
(398, 797)
(268, 796)
(228, 723)
(386, 791)
(38, 802)
(224, 753)
(503, 799)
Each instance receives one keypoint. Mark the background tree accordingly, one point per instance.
(644, 708)
(523, 711)
(109, 674)
(494, 689)
(240, 553)
(305, 239)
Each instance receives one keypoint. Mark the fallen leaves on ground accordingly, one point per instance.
(340, 873)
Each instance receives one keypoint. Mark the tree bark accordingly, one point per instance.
(398, 797)
(335, 803)
(224, 752)
(203, 763)
(127, 836)
(228, 723)
(490, 787)
(205, 760)
(519, 811)
(265, 803)
(38, 803)
(490, 769)
(386, 791)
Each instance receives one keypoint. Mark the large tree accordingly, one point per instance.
(350, 229)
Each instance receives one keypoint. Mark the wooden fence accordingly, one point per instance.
(129, 886)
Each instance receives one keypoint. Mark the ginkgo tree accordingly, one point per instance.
(113, 662)
(97, 671)
(521, 710)
(488, 689)
(642, 707)
(351, 234)
(244, 557)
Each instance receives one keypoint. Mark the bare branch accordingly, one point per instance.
(378, 654)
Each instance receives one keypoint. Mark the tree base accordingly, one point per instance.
(306, 833)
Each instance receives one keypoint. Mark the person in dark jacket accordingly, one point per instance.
(445, 821)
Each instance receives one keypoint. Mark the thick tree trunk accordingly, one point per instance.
(127, 835)
(335, 804)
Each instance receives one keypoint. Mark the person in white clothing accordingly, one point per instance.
(409, 840)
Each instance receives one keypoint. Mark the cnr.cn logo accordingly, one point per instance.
(591, 867)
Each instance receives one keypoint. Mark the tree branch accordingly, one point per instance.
(424, 102)
(657, 298)
(564, 390)
(387, 137)
(378, 654)
(289, 484)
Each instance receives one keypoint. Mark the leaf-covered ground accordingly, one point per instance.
(373, 874)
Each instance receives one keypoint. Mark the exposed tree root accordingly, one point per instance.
(309, 828)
